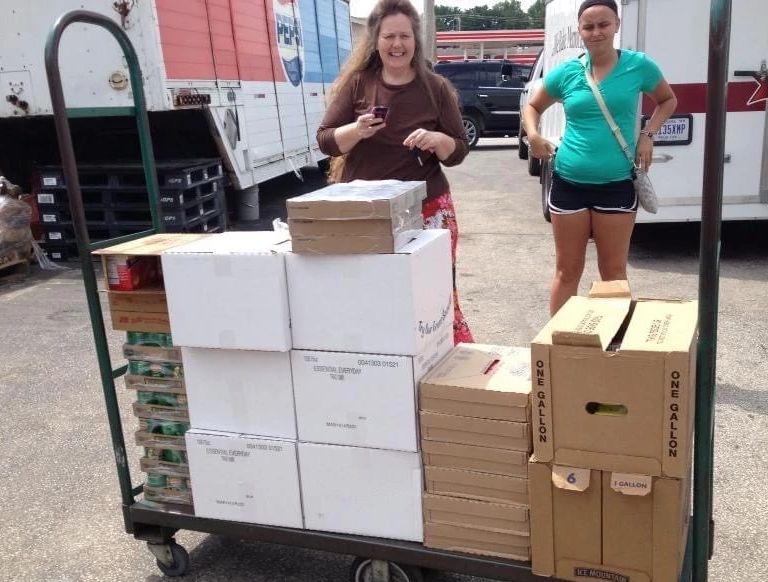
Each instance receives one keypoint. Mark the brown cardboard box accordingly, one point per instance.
(610, 289)
(118, 260)
(353, 245)
(141, 321)
(477, 541)
(476, 514)
(146, 300)
(474, 458)
(355, 227)
(597, 525)
(500, 434)
(369, 200)
(474, 485)
(627, 408)
(481, 381)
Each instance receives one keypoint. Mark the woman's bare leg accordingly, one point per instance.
(571, 236)
(612, 233)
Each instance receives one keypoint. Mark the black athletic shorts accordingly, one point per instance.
(610, 198)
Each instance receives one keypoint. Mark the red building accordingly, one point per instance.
(520, 46)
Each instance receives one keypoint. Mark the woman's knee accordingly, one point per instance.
(569, 273)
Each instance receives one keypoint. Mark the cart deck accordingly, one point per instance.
(158, 524)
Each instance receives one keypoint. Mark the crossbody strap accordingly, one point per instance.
(607, 114)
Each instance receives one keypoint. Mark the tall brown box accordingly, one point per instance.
(597, 525)
(614, 385)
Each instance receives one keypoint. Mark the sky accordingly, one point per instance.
(363, 7)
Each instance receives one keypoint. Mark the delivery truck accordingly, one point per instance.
(241, 80)
(676, 35)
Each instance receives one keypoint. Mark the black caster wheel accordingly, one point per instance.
(179, 564)
(362, 571)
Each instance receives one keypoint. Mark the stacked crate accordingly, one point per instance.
(614, 402)
(116, 203)
(476, 438)
(156, 372)
(137, 303)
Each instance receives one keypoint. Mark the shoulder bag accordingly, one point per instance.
(646, 195)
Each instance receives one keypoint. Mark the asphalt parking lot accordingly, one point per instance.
(60, 518)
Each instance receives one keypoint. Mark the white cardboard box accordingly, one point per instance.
(241, 477)
(353, 490)
(377, 304)
(229, 291)
(241, 391)
(359, 399)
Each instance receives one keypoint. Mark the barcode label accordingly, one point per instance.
(54, 235)
(50, 182)
(45, 199)
(49, 218)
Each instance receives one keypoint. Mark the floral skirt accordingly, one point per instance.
(440, 213)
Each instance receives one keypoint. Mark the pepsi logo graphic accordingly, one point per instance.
(290, 44)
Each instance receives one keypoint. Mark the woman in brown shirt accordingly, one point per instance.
(417, 125)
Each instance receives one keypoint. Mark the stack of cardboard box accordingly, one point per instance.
(613, 403)
(358, 217)
(228, 306)
(327, 393)
(137, 303)
(476, 439)
(366, 328)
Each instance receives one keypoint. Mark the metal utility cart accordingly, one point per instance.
(379, 560)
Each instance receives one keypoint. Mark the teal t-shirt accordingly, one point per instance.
(589, 152)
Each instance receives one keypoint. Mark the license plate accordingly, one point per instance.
(677, 130)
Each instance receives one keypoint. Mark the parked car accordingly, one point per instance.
(535, 81)
(489, 95)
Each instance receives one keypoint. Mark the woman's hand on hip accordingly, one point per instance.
(540, 148)
(368, 125)
(644, 152)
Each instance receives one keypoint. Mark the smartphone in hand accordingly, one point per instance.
(380, 111)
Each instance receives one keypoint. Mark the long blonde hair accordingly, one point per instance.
(365, 58)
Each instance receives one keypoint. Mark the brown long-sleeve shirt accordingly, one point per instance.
(383, 155)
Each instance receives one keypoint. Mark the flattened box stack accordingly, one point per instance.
(613, 404)
(475, 429)
(356, 217)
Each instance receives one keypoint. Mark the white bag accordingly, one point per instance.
(646, 195)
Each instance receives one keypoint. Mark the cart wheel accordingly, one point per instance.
(362, 571)
(179, 564)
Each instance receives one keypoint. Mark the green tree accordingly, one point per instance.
(507, 14)
(536, 14)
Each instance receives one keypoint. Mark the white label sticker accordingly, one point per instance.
(49, 218)
(570, 478)
(50, 182)
(54, 235)
(631, 484)
(45, 199)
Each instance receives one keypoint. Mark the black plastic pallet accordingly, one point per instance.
(62, 239)
(129, 198)
(173, 174)
(187, 208)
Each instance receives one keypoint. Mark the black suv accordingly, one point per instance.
(489, 94)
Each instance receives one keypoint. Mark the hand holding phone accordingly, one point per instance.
(380, 112)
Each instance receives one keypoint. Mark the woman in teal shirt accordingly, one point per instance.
(592, 192)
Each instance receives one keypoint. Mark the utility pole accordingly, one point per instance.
(428, 25)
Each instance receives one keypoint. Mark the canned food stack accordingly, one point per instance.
(137, 302)
(156, 372)
(613, 405)
(368, 321)
(476, 439)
